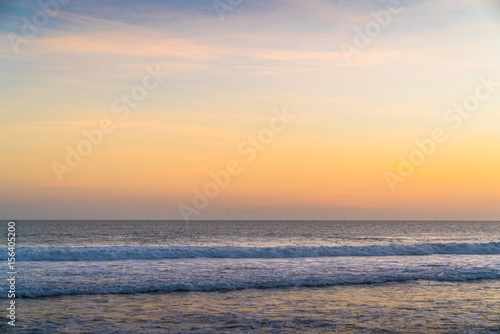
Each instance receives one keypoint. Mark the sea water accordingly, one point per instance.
(255, 276)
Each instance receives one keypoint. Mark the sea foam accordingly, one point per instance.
(185, 252)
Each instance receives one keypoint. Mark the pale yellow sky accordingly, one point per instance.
(353, 118)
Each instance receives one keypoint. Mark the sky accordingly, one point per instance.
(250, 109)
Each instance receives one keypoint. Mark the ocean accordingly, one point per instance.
(254, 277)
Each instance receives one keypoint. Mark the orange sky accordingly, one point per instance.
(228, 81)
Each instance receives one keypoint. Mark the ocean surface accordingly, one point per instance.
(255, 277)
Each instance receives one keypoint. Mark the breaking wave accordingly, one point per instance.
(185, 252)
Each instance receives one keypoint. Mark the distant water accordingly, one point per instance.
(322, 276)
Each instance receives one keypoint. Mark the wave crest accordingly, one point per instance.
(111, 253)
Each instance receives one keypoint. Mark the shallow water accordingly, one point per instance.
(410, 307)
(276, 277)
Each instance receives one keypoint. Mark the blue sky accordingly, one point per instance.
(225, 77)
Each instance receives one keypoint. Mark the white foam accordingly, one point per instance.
(78, 289)
(183, 252)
